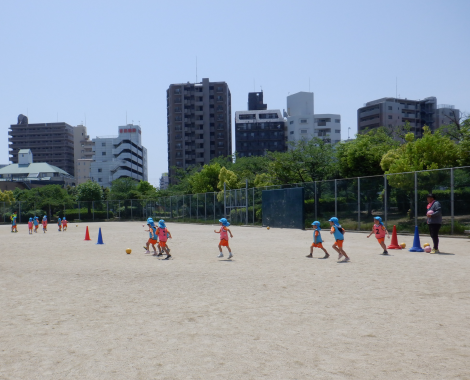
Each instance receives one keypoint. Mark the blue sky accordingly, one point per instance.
(106, 58)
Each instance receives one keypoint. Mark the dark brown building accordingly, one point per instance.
(50, 142)
(199, 123)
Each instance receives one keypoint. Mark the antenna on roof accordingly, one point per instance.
(396, 86)
(196, 68)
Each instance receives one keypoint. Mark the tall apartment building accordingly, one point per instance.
(304, 124)
(119, 156)
(393, 112)
(164, 181)
(199, 124)
(259, 130)
(83, 154)
(52, 143)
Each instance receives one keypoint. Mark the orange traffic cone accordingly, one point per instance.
(394, 244)
(87, 234)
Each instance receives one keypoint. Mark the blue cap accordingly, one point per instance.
(161, 223)
(63, 218)
(334, 219)
(30, 219)
(379, 219)
(316, 223)
(150, 221)
(224, 222)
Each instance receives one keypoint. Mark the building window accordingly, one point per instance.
(177, 109)
(178, 99)
(178, 127)
(103, 144)
(100, 180)
(389, 116)
(268, 116)
(291, 132)
(177, 90)
(220, 117)
(178, 118)
(100, 170)
(337, 130)
(220, 144)
(103, 153)
(220, 88)
(303, 121)
(303, 131)
(337, 121)
(221, 153)
(291, 122)
(220, 98)
(248, 116)
(178, 146)
(389, 108)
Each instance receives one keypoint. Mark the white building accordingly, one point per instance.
(83, 154)
(303, 123)
(121, 156)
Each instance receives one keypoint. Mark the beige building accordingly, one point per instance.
(83, 154)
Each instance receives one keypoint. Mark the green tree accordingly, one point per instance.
(7, 197)
(123, 188)
(206, 180)
(146, 190)
(230, 179)
(89, 192)
(362, 156)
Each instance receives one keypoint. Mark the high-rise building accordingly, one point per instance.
(119, 156)
(199, 123)
(303, 124)
(52, 143)
(395, 112)
(259, 130)
(83, 154)
(164, 181)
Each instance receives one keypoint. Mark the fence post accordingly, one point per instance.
(79, 210)
(315, 199)
(182, 207)
(197, 207)
(171, 213)
(205, 206)
(385, 199)
(93, 207)
(107, 210)
(452, 201)
(358, 204)
(253, 206)
(19, 212)
(119, 210)
(214, 206)
(225, 201)
(416, 198)
(131, 209)
(246, 201)
(336, 199)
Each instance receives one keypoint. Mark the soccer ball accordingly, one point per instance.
(426, 245)
(76, 225)
(128, 251)
(143, 225)
(427, 249)
(403, 245)
(267, 227)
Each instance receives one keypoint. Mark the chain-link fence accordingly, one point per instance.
(400, 199)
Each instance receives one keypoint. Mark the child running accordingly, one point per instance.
(30, 226)
(36, 224)
(64, 224)
(163, 235)
(224, 231)
(317, 240)
(338, 233)
(59, 224)
(44, 223)
(13, 223)
(153, 239)
(379, 230)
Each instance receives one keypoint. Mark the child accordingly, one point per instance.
(59, 224)
(163, 235)
(153, 239)
(338, 233)
(44, 223)
(379, 229)
(30, 226)
(317, 240)
(13, 223)
(36, 224)
(64, 224)
(224, 231)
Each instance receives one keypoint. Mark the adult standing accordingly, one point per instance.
(434, 220)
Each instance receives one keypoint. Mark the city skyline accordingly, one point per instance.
(116, 61)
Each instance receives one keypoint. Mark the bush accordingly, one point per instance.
(72, 214)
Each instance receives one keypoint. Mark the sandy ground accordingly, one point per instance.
(71, 309)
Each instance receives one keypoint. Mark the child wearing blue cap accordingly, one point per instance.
(64, 224)
(30, 226)
(14, 227)
(44, 223)
(163, 235)
(36, 224)
(224, 231)
(317, 240)
(59, 224)
(379, 230)
(338, 233)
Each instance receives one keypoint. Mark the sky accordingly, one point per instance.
(96, 61)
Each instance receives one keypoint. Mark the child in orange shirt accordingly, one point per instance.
(317, 240)
(224, 231)
(30, 226)
(163, 235)
(64, 224)
(379, 230)
(338, 233)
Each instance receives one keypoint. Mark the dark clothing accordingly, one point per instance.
(435, 218)
(434, 231)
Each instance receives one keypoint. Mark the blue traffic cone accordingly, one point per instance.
(416, 243)
(100, 238)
